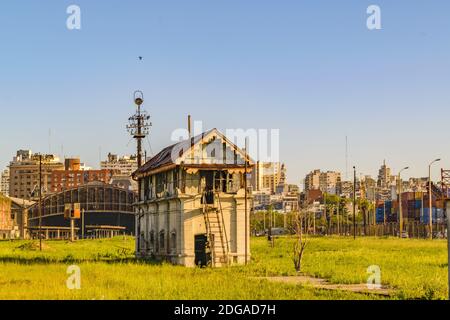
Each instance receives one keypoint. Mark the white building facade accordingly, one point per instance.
(194, 208)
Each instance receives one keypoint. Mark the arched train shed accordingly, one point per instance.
(106, 211)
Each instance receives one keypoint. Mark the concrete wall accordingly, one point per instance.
(183, 216)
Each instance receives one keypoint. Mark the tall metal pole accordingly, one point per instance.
(400, 212)
(138, 128)
(246, 209)
(72, 230)
(337, 216)
(430, 199)
(430, 204)
(82, 224)
(354, 202)
(445, 188)
(40, 202)
(269, 234)
(139, 136)
(400, 202)
(447, 206)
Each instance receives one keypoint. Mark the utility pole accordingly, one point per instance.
(447, 208)
(40, 202)
(430, 199)
(325, 208)
(445, 185)
(400, 201)
(354, 202)
(72, 229)
(337, 216)
(245, 201)
(82, 224)
(139, 127)
(269, 234)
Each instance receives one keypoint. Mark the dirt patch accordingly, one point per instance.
(32, 246)
(324, 284)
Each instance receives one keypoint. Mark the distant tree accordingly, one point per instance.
(301, 242)
(365, 207)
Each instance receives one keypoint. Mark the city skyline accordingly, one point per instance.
(316, 74)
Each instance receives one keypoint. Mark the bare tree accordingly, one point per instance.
(300, 242)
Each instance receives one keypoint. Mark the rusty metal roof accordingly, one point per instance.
(169, 154)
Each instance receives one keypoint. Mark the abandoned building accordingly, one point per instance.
(194, 208)
(13, 217)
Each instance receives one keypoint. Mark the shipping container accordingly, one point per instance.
(437, 214)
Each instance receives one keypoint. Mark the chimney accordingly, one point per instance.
(189, 126)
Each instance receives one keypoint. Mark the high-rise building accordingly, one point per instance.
(267, 176)
(282, 187)
(329, 181)
(126, 165)
(312, 181)
(24, 174)
(384, 176)
(323, 181)
(4, 182)
(69, 179)
(368, 188)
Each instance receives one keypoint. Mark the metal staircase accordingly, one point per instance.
(216, 232)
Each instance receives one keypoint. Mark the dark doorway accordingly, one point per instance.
(202, 257)
(207, 184)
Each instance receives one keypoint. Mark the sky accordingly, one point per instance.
(311, 69)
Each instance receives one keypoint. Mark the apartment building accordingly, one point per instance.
(24, 174)
(4, 182)
(126, 165)
(268, 176)
(324, 181)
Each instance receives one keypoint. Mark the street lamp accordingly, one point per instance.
(400, 201)
(430, 203)
(354, 202)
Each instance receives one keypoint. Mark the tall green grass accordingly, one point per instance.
(416, 269)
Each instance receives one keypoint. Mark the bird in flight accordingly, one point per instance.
(140, 58)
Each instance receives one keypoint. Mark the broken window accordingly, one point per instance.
(161, 182)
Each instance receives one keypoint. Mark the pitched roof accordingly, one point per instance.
(165, 156)
(21, 202)
(169, 155)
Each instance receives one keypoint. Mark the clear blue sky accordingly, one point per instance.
(310, 68)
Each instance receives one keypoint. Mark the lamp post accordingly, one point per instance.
(430, 202)
(40, 202)
(400, 201)
(354, 202)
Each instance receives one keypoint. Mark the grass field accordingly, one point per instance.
(415, 269)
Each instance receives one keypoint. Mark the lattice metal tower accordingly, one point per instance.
(139, 124)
